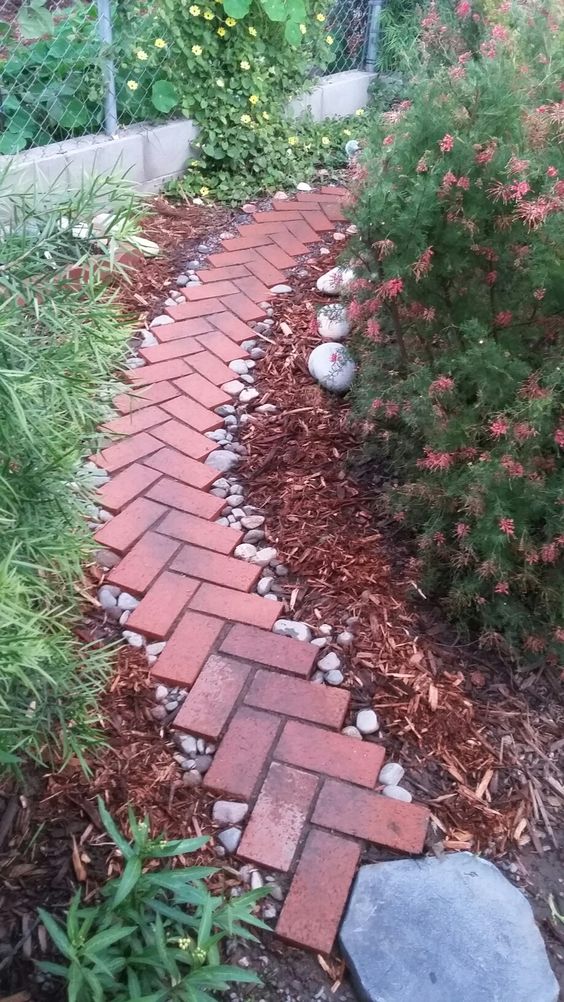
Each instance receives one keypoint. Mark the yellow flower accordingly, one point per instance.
(245, 65)
(292, 140)
(246, 119)
(160, 43)
(194, 163)
(142, 55)
(303, 29)
(208, 16)
(359, 112)
(132, 84)
(221, 32)
(265, 115)
(325, 141)
(197, 50)
(220, 82)
(346, 132)
(253, 32)
(320, 17)
(195, 10)
(329, 39)
(230, 22)
(204, 191)
(253, 99)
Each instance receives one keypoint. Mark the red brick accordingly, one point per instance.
(171, 369)
(211, 368)
(288, 242)
(215, 567)
(213, 697)
(186, 498)
(315, 196)
(187, 311)
(188, 649)
(254, 289)
(243, 753)
(145, 396)
(179, 348)
(223, 274)
(335, 754)
(180, 467)
(125, 486)
(126, 452)
(288, 655)
(229, 258)
(210, 535)
(229, 324)
(243, 307)
(185, 439)
(160, 608)
(266, 272)
(286, 205)
(136, 421)
(274, 225)
(334, 213)
(181, 329)
(280, 813)
(203, 392)
(368, 815)
(222, 346)
(124, 529)
(318, 221)
(234, 605)
(277, 257)
(318, 894)
(335, 190)
(188, 411)
(293, 697)
(195, 293)
(302, 231)
(281, 216)
(245, 243)
(145, 560)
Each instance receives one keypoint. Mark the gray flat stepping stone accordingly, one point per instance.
(443, 930)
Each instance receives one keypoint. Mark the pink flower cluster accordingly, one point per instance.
(443, 384)
(446, 143)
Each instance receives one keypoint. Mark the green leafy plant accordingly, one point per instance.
(154, 935)
(458, 307)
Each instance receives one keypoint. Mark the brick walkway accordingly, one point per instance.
(312, 790)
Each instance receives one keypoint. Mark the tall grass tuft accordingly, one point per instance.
(59, 347)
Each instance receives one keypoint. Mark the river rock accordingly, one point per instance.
(334, 281)
(225, 812)
(367, 721)
(332, 322)
(332, 366)
(292, 628)
(394, 792)
(222, 460)
(391, 774)
(452, 929)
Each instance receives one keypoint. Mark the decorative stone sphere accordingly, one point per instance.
(331, 365)
(334, 281)
(332, 322)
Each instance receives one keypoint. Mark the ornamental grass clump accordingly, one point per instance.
(458, 314)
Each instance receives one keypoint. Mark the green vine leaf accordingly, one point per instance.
(236, 8)
(276, 10)
(164, 96)
(35, 20)
(292, 33)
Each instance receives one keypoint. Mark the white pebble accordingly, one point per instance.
(248, 394)
(397, 793)
(367, 721)
(329, 663)
(352, 732)
(245, 551)
(264, 556)
(391, 774)
(292, 628)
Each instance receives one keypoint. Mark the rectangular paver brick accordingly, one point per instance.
(185, 439)
(186, 498)
(210, 367)
(243, 307)
(187, 649)
(273, 225)
(318, 220)
(187, 311)
(225, 274)
(222, 346)
(187, 410)
(229, 324)
(318, 894)
(334, 754)
(282, 216)
(124, 529)
(368, 815)
(235, 605)
(245, 243)
(279, 815)
(276, 256)
(213, 698)
(334, 212)
(288, 655)
(210, 535)
(182, 347)
(203, 392)
(266, 272)
(254, 289)
(180, 467)
(130, 424)
(159, 609)
(145, 560)
(181, 329)
(145, 396)
(195, 293)
(171, 369)
(242, 755)
(335, 190)
(303, 231)
(114, 457)
(125, 486)
(315, 196)
(288, 242)
(293, 697)
(228, 258)
(216, 568)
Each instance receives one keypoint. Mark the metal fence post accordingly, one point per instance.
(374, 12)
(105, 35)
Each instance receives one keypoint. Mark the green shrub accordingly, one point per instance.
(58, 347)
(154, 934)
(458, 312)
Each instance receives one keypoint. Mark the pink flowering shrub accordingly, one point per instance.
(459, 314)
